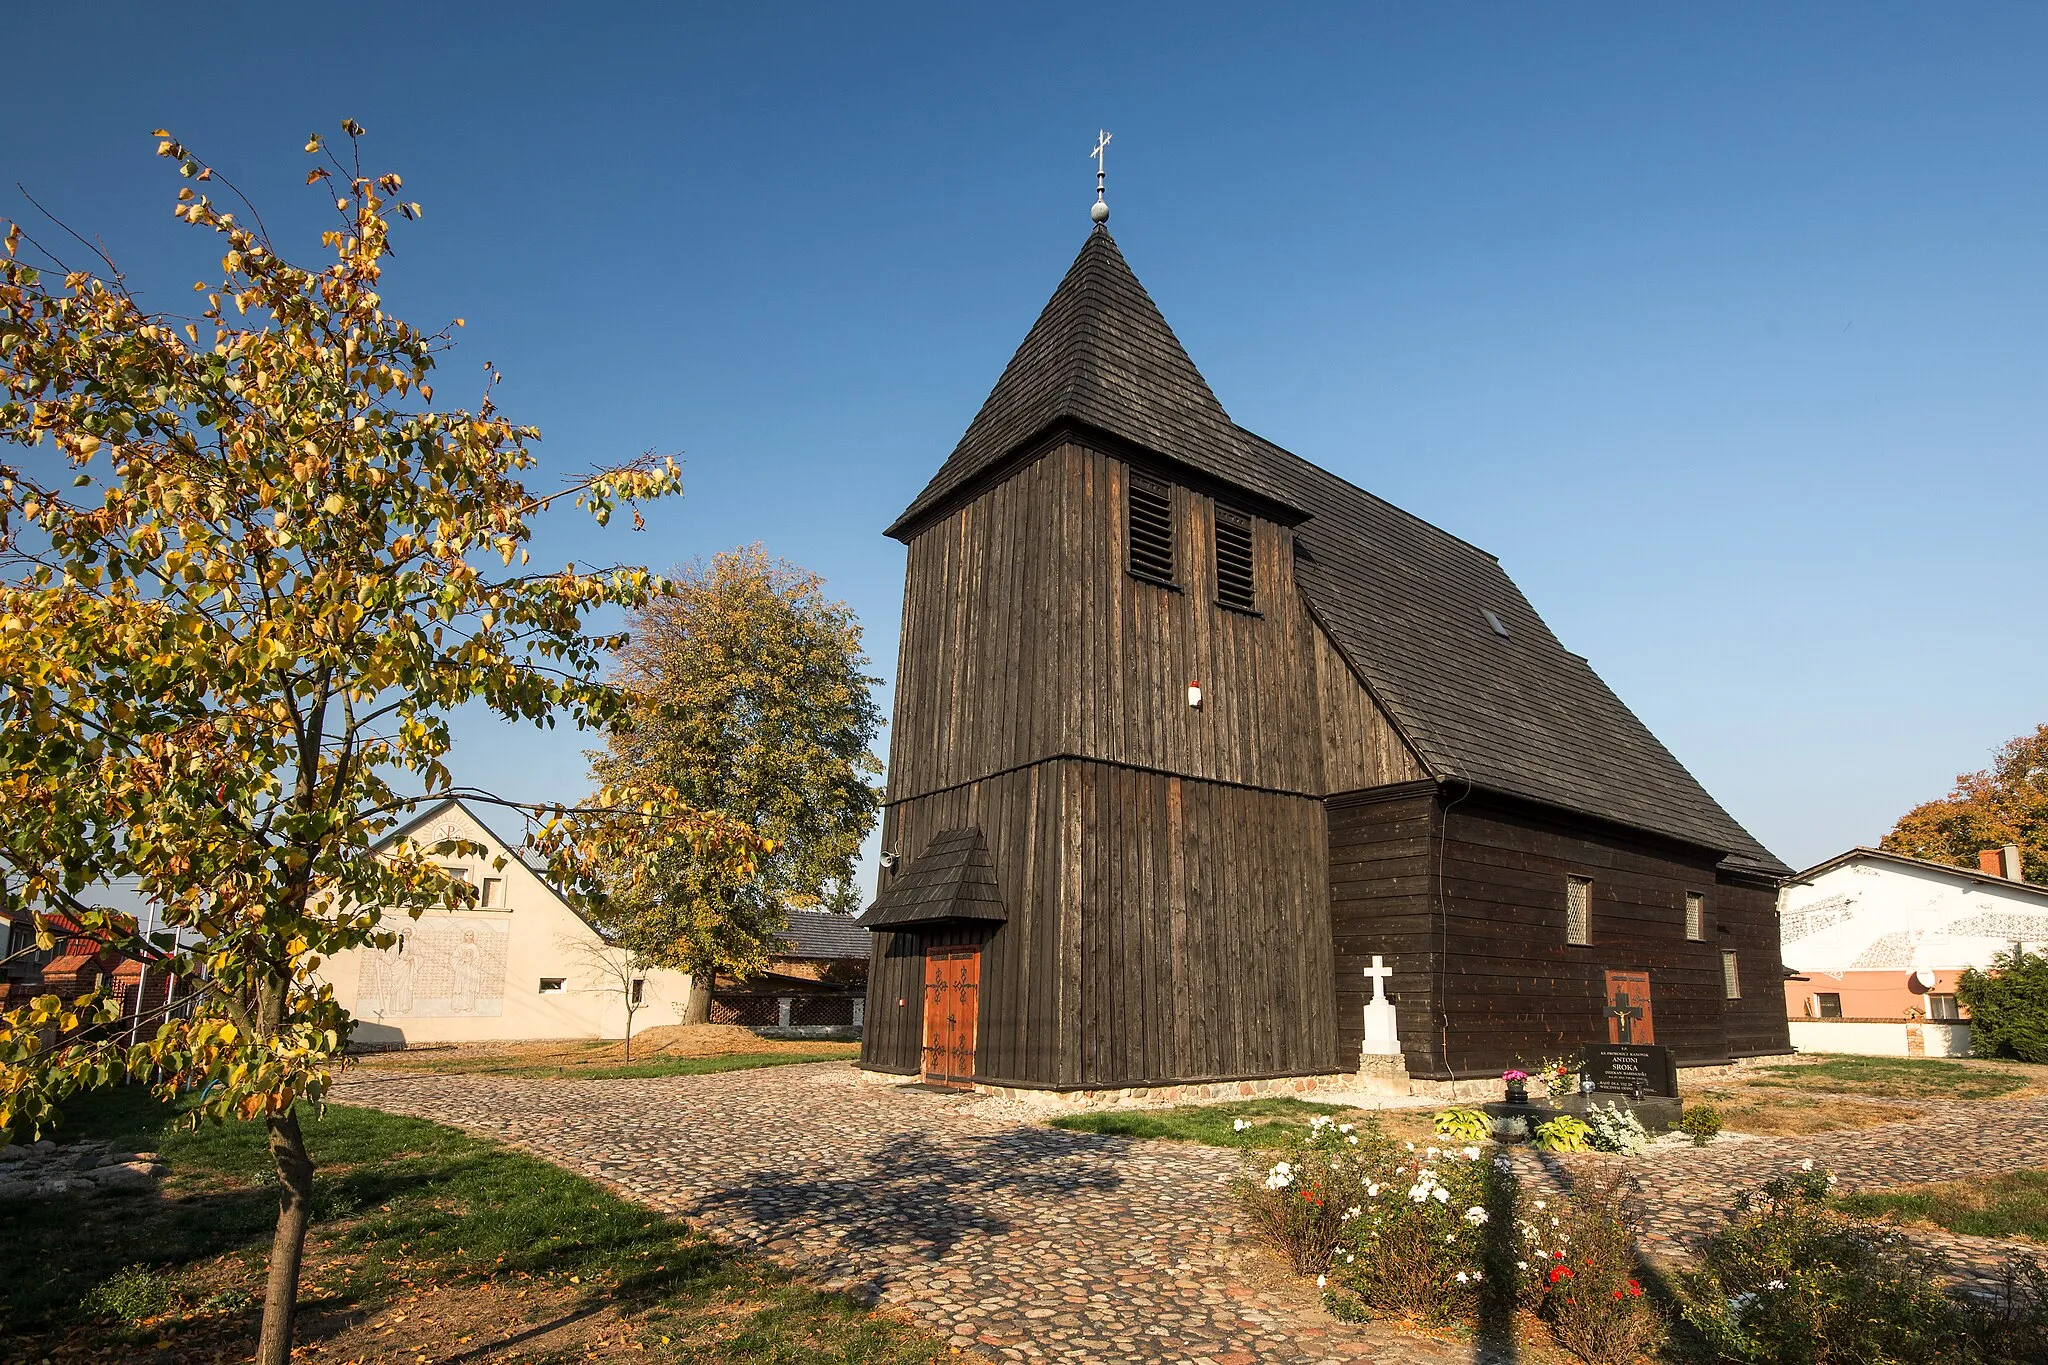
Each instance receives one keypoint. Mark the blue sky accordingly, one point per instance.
(1722, 326)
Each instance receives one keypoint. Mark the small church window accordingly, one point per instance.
(1827, 1005)
(1149, 521)
(1731, 980)
(554, 985)
(639, 990)
(1695, 916)
(1942, 1007)
(1578, 910)
(1234, 577)
(493, 892)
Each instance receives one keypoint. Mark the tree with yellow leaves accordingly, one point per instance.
(2006, 803)
(246, 569)
(749, 697)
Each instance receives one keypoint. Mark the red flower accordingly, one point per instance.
(1634, 1289)
(1617, 1293)
(1558, 1272)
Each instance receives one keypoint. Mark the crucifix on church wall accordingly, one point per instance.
(1626, 1007)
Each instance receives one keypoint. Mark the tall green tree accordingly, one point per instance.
(750, 698)
(246, 569)
(2006, 803)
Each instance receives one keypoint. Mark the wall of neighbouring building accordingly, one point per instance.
(476, 975)
(1865, 930)
(1866, 1039)
(1870, 997)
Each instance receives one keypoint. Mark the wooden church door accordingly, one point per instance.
(952, 1000)
(1628, 1008)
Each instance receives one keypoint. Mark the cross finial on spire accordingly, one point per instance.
(1100, 212)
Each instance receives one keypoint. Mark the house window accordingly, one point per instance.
(1731, 981)
(1149, 519)
(493, 893)
(639, 990)
(1695, 916)
(1827, 1005)
(1234, 578)
(1942, 1007)
(1578, 910)
(554, 985)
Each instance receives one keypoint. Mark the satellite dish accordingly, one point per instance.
(1925, 978)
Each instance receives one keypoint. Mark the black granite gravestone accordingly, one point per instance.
(1629, 1068)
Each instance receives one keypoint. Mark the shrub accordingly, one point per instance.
(1417, 1243)
(133, 1294)
(1787, 1279)
(1701, 1123)
(1564, 1134)
(2008, 1007)
(1297, 1203)
(1576, 1267)
(2012, 1323)
(1463, 1125)
(1616, 1129)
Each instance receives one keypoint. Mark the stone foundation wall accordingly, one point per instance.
(1150, 1096)
(1490, 1087)
(1376, 1075)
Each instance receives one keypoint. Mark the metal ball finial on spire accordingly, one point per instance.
(1100, 209)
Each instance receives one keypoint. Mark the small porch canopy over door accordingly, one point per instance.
(949, 894)
(953, 879)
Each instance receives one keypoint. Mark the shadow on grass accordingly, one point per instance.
(402, 1202)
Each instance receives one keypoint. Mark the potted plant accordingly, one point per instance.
(1518, 1086)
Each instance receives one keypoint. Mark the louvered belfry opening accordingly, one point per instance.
(1234, 561)
(1150, 525)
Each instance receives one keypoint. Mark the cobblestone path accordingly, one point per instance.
(1019, 1241)
(1687, 1189)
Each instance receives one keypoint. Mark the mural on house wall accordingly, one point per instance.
(443, 966)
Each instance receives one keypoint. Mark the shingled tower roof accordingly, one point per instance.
(1100, 356)
(1412, 608)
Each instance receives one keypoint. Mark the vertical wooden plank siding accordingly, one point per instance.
(1382, 901)
(1517, 989)
(1184, 903)
(1742, 914)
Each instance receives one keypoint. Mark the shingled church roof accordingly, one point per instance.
(1406, 603)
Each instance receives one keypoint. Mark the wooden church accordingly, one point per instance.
(1188, 730)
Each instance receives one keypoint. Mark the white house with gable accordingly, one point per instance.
(1876, 942)
(522, 965)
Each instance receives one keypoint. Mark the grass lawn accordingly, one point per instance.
(427, 1242)
(2009, 1204)
(1272, 1121)
(1915, 1078)
(1779, 1113)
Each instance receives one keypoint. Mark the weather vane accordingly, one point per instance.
(1100, 213)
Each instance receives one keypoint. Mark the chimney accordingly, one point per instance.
(1989, 860)
(2009, 858)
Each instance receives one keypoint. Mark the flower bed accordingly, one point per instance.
(1443, 1234)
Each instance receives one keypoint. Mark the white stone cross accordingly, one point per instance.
(1379, 972)
(1380, 1036)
